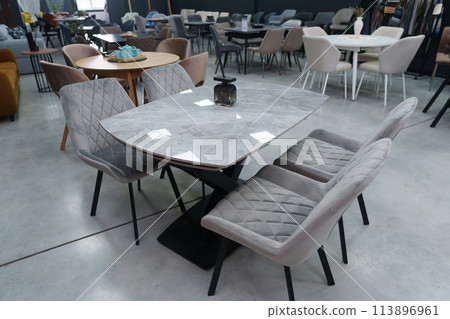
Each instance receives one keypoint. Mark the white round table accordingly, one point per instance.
(355, 43)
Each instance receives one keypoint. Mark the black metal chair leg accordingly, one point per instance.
(163, 172)
(133, 213)
(218, 267)
(326, 266)
(362, 207)
(175, 188)
(441, 113)
(98, 183)
(139, 185)
(203, 190)
(438, 92)
(290, 288)
(342, 238)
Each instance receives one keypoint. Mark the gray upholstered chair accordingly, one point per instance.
(177, 25)
(341, 20)
(287, 217)
(271, 44)
(336, 151)
(166, 80)
(322, 19)
(58, 76)
(140, 25)
(195, 66)
(372, 54)
(292, 43)
(393, 60)
(85, 104)
(225, 47)
(323, 56)
(284, 16)
(256, 18)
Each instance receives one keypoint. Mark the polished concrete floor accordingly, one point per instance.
(51, 249)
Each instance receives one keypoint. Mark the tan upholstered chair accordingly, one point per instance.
(74, 52)
(371, 54)
(292, 43)
(323, 56)
(195, 66)
(147, 44)
(58, 76)
(287, 217)
(442, 56)
(393, 60)
(178, 46)
(270, 45)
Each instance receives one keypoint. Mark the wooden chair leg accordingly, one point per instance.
(64, 138)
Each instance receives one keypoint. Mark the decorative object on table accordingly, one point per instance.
(127, 54)
(128, 34)
(358, 25)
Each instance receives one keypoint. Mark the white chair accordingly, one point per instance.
(323, 56)
(372, 54)
(341, 19)
(314, 31)
(393, 60)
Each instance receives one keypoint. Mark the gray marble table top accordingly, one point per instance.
(189, 129)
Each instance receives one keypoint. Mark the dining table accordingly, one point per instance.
(103, 66)
(210, 142)
(246, 33)
(354, 43)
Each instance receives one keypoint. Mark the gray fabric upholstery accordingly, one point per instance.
(289, 225)
(166, 80)
(284, 16)
(337, 150)
(85, 104)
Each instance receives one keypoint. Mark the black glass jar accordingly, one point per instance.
(225, 92)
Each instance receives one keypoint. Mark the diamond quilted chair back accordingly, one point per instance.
(393, 122)
(339, 193)
(166, 80)
(85, 105)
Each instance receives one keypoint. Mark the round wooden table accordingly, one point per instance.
(99, 65)
(36, 56)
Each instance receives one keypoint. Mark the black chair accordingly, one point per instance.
(127, 26)
(267, 17)
(49, 31)
(235, 17)
(223, 19)
(67, 34)
(256, 18)
(225, 47)
(201, 31)
(304, 16)
(177, 25)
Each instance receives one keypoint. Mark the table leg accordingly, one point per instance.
(245, 55)
(186, 236)
(355, 73)
(131, 89)
(39, 76)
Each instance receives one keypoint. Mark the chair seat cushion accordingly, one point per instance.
(230, 47)
(368, 56)
(370, 66)
(442, 58)
(249, 41)
(115, 158)
(341, 66)
(321, 166)
(257, 210)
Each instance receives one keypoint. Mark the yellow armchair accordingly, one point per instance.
(9, 82)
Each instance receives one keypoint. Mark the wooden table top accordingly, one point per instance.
(41, 51)
(100, 62)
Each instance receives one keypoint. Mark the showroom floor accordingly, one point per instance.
(51, 249)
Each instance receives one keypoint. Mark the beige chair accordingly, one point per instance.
(323, 56)
(178, 46)
(292, 43)
(165, 32)
(314, 31)
(371, 54)
(147, 44)
(74, 52)
(270, 45)
(287, 217)
(57, 76)
(80, 39)
(195, 66)
(393, 60)
(442, 56)
(341, 19)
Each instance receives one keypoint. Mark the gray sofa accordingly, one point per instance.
(19, 45)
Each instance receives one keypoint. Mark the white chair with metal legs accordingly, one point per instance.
(393, 60)
(323, 56)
